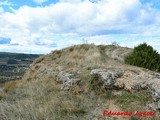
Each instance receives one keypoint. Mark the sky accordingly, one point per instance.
(42, 26)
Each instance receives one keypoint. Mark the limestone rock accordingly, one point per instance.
(154, 106)
(107, 76)
(66, 79)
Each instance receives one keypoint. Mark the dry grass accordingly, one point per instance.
(39, 97)
(77, 57)
(2, 95)
(39, 60)
(10, 85)
(43, 99)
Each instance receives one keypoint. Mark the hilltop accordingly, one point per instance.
(78, 83)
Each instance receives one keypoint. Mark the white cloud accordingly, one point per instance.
(40, 1)
(28, 25)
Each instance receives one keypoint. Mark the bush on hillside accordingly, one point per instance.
(144, 56)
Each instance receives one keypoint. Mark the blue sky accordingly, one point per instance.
(41, 26)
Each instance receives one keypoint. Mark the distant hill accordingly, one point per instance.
(17, 55)
(14, 65)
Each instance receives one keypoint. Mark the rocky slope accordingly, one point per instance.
(91, 72)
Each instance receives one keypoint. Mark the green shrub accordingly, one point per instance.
(144, 56)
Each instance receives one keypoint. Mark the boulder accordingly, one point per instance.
(154, 88)
(107, 76)
(66, 79)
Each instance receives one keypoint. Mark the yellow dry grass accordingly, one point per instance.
(38, 97)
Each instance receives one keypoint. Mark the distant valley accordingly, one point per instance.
(14, 65)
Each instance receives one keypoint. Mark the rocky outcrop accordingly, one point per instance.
(107, 76)
(66, 79)
(154, 87)
(116, 78)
